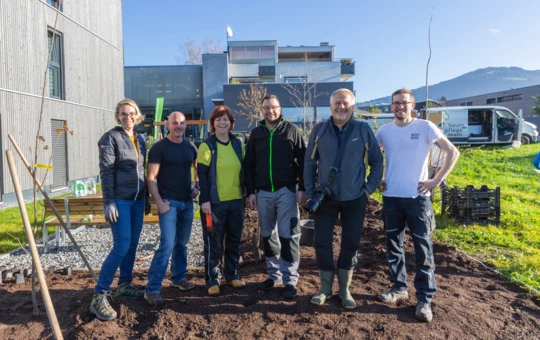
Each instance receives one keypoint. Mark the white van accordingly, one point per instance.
(478, 124)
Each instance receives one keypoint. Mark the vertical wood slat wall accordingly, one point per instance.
(92, 74)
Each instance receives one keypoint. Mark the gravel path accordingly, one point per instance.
(96, 242)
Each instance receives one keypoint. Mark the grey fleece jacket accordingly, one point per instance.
(362, 149)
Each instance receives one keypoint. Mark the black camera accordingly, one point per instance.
(322, 192)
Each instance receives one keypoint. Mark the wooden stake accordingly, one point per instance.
(48, 199)
(35, 256)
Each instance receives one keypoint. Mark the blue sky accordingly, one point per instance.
(388, 39)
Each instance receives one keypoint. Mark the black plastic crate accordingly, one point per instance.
(472, 205)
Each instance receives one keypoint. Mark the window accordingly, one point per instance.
(55, 4)
(252, 52)
(56, 76)
(509, 98)
(469, 103)
(237, 53)
(267, 52)
(302, 79)
(490, 101)
(463, 104)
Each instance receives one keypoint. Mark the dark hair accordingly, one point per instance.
(402, 91)
(268, 97)
(220, 111)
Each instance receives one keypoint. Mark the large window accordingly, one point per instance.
(56, 76)
(252, 52)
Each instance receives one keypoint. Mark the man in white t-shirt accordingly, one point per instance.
(406, 190)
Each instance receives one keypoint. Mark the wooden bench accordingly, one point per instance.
(75, 212)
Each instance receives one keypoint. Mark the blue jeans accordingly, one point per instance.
(417, 214)
(175, 226)
(126, 232)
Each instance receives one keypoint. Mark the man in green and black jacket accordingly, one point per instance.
(274, 167)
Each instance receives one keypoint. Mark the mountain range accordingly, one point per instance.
(481, 81)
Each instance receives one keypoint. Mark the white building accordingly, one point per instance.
(83, 85)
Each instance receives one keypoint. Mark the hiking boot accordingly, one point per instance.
(423, 312)
(268, 284)
(290, 292)
(101, 308)
(153, 299)
(213, 290)
(183, 285)
(393, 295)
(237, 284)
(126, 290)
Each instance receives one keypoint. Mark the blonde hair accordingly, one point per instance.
(138, 117)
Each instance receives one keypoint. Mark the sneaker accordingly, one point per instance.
(393, 295)
(153, 299)
(101, 308)
(237, 284)
(126, 290)
(423, 312)
(268, 284)
(213, 290)
(290, 292)
(183, 285)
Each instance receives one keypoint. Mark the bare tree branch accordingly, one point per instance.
(429, 59)
(191, 52)
(249, 102)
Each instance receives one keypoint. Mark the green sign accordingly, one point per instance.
(157, 114)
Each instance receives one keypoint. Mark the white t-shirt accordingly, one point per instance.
(407, 150)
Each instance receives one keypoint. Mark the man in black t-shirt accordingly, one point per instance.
(169, 162)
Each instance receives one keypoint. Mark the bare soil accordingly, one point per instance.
(471, 302)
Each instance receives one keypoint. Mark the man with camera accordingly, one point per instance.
(338, 156)
(274, 165)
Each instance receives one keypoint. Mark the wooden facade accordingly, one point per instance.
(92, 79)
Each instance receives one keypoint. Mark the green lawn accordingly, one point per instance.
(513, 247)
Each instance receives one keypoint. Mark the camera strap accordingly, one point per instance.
(344, 139)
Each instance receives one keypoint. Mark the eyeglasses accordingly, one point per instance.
(401, 103)
(266, 108)
(131, 114)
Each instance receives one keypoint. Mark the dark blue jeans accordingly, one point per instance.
(175, 226)
(417, 213)
(126, 232)
(352, 220)
(231, 217)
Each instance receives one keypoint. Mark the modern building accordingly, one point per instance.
(85, 80)
(313, 71)
(513, 99)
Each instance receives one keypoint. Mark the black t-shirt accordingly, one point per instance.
(175, 160)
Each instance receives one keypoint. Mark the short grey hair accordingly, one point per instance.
(343, 90)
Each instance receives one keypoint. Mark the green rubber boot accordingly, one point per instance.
(345, 279)
(327, 280)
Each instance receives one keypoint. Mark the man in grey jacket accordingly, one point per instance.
(347, 191)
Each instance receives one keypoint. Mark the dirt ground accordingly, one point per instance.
(471, 303)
